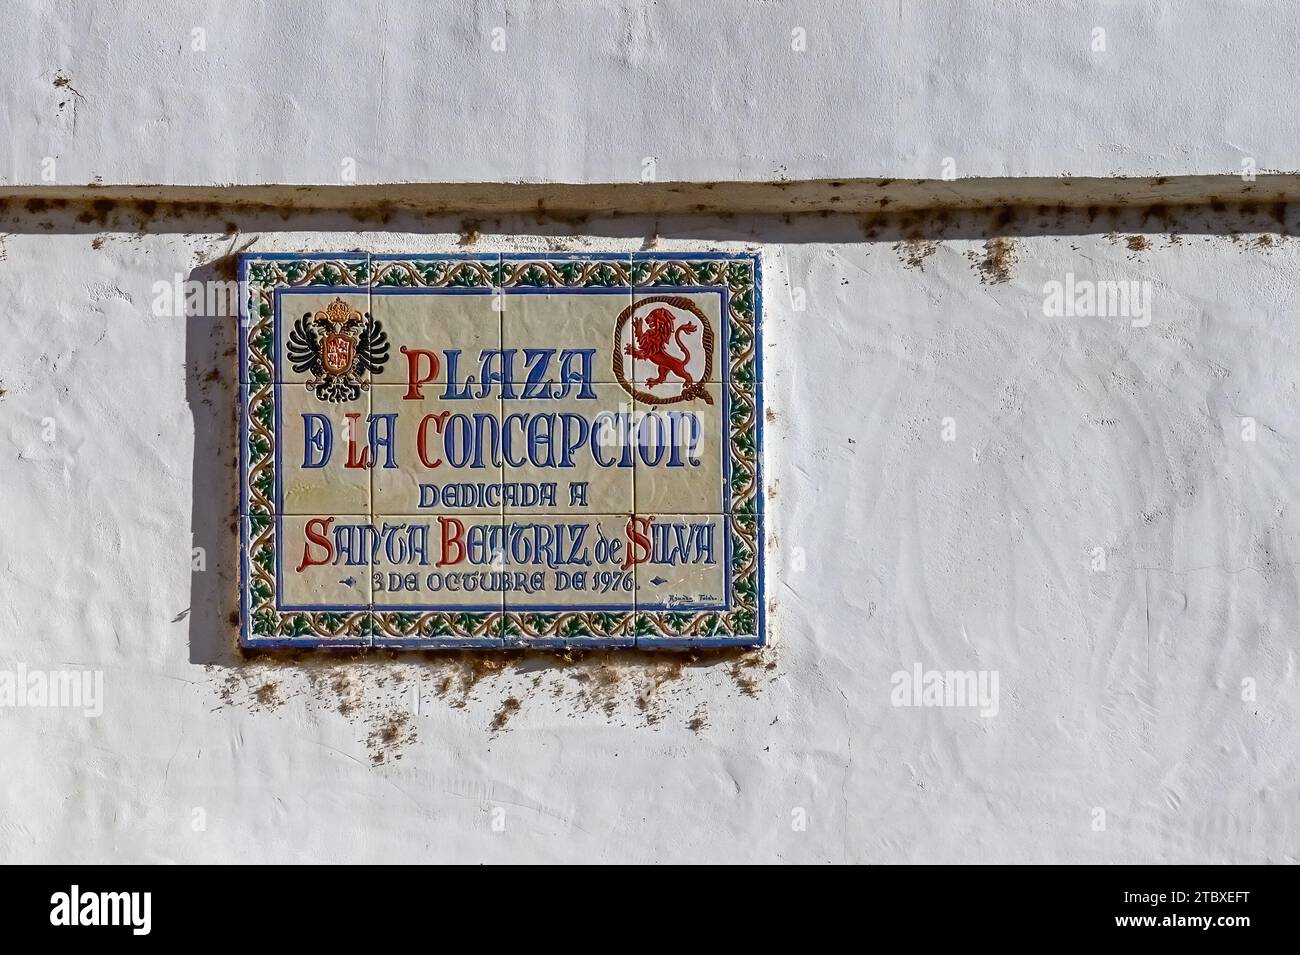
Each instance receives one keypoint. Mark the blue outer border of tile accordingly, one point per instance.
(436, 643)
(245, 613)
(246, 638)
(760, 415)
(594, 643)
(760, 638)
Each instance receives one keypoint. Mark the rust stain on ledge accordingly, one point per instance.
(573, 203)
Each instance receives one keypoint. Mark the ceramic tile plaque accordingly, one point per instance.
(501, 450)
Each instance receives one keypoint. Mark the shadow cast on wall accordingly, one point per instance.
(212, 392)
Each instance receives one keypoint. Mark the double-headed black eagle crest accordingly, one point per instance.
(337, 346)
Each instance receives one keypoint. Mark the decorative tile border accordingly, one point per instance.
(263, 622)
(737, 281)
(291, 369)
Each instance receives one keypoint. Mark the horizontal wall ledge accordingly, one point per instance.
(561, 200)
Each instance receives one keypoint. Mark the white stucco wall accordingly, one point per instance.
(584, 92)
(1121, 686)
(1120, 689)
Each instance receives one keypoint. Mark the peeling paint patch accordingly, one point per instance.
(914, 252)
(996, 264)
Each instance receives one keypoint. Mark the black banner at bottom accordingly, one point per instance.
(1227, 905)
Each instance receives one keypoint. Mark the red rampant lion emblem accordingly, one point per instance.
(658, 338)
(652, 345)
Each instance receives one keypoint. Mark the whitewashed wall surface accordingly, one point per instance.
(1032, 471)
